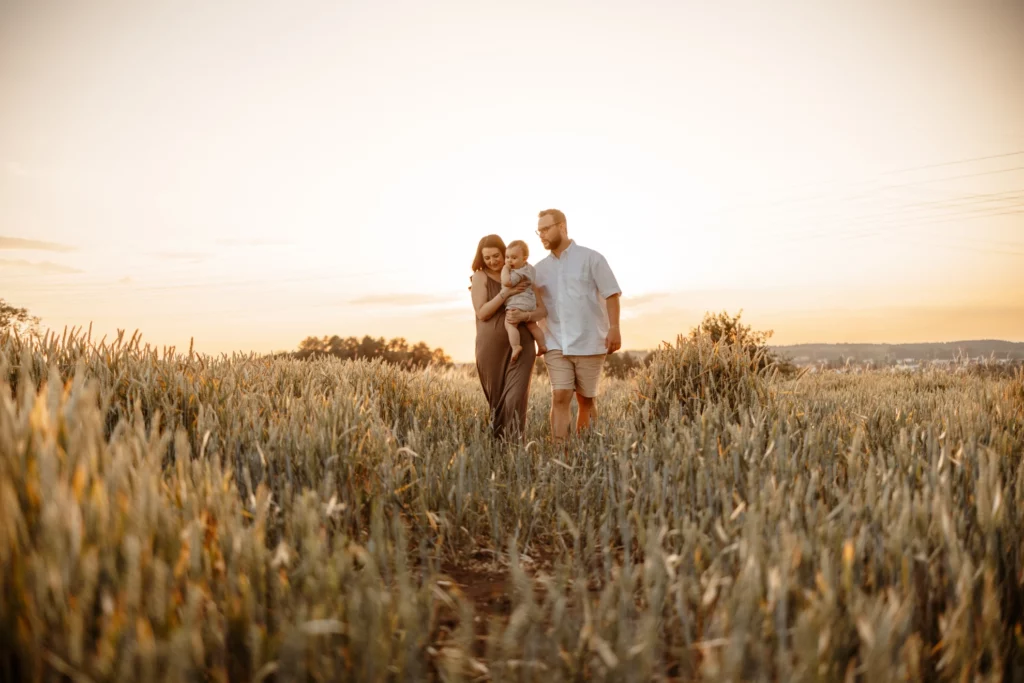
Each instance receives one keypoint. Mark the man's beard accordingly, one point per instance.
(554, 242)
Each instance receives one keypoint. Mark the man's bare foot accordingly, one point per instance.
(516, 350)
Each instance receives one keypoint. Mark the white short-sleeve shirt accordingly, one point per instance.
(574, 287)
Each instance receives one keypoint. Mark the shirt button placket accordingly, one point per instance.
(563, 317)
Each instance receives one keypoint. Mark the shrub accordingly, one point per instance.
(720, 361)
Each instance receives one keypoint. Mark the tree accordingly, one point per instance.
(722, 327)
(310, 346)
(396, 351)
(439, 357)
(621, 365)
(727, 329)
(15, 319)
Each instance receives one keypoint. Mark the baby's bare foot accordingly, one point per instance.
(541, 349)
(516, 350)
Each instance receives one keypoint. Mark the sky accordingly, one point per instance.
(247, 174)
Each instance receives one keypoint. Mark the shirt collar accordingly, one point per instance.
(565, 251)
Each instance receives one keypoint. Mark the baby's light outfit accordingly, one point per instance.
(525, 300)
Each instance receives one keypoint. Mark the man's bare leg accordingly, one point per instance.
(513, 339)
(587, 412)
(561, 402)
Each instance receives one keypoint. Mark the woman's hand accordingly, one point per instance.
(506, 292)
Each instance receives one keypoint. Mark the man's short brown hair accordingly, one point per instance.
(522, 245)
(554, 213)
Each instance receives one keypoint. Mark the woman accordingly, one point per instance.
(506, 384)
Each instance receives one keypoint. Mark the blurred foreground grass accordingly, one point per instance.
(183, 518)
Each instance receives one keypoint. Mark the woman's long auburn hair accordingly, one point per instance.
(492, 241)
(486, 241)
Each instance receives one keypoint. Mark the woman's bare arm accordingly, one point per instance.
(486, 308)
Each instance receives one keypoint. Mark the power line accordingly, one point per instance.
(898, 216)
(883, 174)
(895, 215)
(996, 248)
(862, 195)
(1006, 249)
(879, 228)
(783, 210)
(957, 177)
(887, 214)
(956, 162)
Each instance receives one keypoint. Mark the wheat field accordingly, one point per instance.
(176, 517)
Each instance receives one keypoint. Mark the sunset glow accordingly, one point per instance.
(249, 174)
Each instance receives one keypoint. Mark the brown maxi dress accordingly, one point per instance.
(506, 385)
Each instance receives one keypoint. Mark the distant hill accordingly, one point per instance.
(890, 353)
(881, 354)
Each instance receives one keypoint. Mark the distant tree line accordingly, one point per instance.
(14, 318)
(395, 351)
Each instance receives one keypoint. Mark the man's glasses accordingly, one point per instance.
(542, 231)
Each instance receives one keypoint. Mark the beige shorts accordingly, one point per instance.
(579, 373)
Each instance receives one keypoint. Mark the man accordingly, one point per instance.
(582, 325)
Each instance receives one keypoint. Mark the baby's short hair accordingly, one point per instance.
(522, 245)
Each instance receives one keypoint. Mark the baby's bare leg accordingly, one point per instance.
(538, 336)
(513, 339)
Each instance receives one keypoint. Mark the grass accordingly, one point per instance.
(179, 517)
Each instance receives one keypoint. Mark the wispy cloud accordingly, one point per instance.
(188, 256)
(402, 300)
(37, 266)
(248, 243)
(644, 299)
(452, 315)
(126, 280)
(35, 245)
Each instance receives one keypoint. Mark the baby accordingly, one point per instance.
(517, 270)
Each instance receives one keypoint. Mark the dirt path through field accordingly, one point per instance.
(484, 580)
